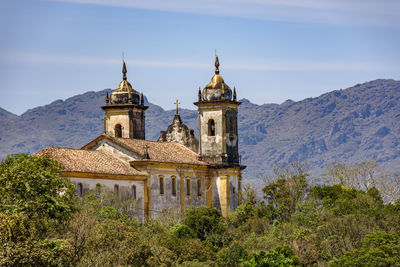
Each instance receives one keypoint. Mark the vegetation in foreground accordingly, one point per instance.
(295, 224)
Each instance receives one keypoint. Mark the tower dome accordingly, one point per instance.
(217, 89)
(124, 94)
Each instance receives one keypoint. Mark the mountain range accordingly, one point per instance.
(351, 125)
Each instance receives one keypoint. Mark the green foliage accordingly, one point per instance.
(286, 191)
(280, 256)
(182, 231)
(231, 256)
(34, 186)
(296, 225)
(378, 249)
(204, 221)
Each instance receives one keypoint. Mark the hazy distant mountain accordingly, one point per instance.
(358, 123)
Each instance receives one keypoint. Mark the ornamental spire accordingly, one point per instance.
(216, 65)
(124, 71)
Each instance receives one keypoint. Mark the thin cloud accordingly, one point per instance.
(272, 65)
(347, 12)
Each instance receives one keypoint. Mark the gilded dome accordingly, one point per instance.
(217, 89)
(124, 94)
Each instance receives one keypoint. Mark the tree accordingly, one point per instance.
(287, 189)
(379, 249)
(364, 176)
(279, 256)
(34, 201)
(34, 186)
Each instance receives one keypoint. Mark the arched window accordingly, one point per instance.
(199, 187)
(118, 130)
(134, 191)
(80, 190)
(173, 185)
(161, 185)
(188, 186)
(116, 190)
(211, 127)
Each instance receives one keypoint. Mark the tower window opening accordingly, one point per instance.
(173, 185)
(161, 185)
(118, 130)
(211, 127)
(80, 190)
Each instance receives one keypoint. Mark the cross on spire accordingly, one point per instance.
(176, 103)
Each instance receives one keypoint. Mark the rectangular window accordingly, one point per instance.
(116, 190)
(173, 185)
(161, 185)
(80, 190)
(133, 191)
(188, 187)
(199, 187)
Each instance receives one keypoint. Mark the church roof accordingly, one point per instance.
(158, 151)
(89, 161)
(163, 151)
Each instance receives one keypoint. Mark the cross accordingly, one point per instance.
(104, 120)
(177, 103)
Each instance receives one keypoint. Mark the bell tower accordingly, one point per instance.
(218, 124)
(124, 111)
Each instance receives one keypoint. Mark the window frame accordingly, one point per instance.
(211, 127)
(188, 185)
(173, 186)
(80, 190)
(133, 192)
(119, 126)
(116, 190)
(199, 187)
(161, 184)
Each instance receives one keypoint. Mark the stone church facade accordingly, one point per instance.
(176, 171)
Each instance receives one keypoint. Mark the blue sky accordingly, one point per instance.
(270, 50)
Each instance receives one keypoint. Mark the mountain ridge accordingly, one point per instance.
(354, 124)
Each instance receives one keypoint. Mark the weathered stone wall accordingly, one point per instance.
(211, 146)
(167, 200)
(114, 118)
(125, 191)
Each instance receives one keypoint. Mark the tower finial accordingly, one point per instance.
(216, 64)
(124, 71)
(199, 94)
(234, 93)
(176, 103)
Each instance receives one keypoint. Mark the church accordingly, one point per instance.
(176, 171)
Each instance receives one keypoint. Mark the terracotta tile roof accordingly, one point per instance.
(89, 161)
(163, 151)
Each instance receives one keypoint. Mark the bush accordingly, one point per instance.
(279, 256)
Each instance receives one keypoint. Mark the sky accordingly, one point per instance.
(269, 50)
